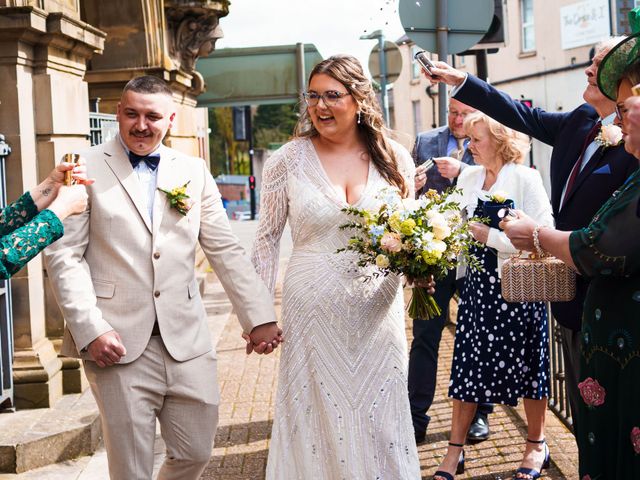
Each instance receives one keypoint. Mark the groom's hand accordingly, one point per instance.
(264, 338)
(107, 349)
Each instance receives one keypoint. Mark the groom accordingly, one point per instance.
(124, 278)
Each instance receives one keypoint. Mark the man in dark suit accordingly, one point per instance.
(447, 147)
(584, 172)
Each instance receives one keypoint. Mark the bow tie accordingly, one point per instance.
(152, 160)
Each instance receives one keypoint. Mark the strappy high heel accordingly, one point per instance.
(532, 474)
(459, 467)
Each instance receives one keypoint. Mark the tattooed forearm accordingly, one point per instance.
(45, 192)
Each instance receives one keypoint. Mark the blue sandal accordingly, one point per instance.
(459, 468)
(532, 474)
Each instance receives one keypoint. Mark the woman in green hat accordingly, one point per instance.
(607, 251)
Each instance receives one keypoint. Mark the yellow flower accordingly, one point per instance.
(407, 227)
(433, 194)
(382, 261)
(499, 196)
(394, 222)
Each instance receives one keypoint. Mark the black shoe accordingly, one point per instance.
(479, 429)
(420, 436)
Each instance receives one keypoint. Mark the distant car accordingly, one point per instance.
(242, 215)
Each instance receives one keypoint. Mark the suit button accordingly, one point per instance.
(156, 255)
(156, 294)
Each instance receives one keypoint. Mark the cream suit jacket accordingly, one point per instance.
(115, 270)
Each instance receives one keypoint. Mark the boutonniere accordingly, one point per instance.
(609, 136)
(178, 198)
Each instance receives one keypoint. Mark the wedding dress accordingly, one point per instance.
(342, 410)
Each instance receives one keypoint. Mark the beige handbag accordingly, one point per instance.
(537, 279)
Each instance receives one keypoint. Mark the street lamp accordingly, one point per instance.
(378, 35)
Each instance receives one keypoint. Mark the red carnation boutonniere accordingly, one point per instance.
(178, 198)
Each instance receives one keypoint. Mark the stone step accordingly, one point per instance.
(34, 438)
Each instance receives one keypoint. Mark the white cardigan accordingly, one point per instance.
(522, 184)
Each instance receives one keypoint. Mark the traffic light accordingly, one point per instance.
(252, 182)
(496, 36)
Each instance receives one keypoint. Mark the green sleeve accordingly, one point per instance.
(17, 214)
(609, 245)
(25, 242)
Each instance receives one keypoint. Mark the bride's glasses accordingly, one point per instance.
(330, 97)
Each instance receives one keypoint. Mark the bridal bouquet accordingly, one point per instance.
(415, 238)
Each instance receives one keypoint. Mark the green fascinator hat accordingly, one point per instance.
(620, 58)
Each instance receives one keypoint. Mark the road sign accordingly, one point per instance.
(393, 61)
(468, 21)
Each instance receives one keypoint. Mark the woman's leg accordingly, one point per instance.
(534, 452)
(463, 413)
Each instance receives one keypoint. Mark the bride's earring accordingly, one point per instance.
(359, 117)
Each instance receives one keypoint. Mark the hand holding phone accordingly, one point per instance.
(425, 62)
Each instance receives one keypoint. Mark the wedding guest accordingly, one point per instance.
(585, 170)
(124, 277)
(501, 351)
(34, 221)
(607, 253)
(447, 147)
(342, 409)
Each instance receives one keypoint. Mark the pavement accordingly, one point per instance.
(248, 387)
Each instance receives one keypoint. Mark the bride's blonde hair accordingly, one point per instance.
(347, 70)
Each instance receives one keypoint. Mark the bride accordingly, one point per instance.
(342, 410)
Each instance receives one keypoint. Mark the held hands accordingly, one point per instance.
(444, 73)
(263, 338)
(428, 283)
(107, 349)
(79, 170)
(47, 192)
(519, 230)
(448, 167)
(420, 178)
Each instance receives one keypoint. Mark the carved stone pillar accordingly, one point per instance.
(43, 114)
(156, 37)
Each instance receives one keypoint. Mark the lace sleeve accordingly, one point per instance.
(25, 242)
(274, 208)
(17, 214)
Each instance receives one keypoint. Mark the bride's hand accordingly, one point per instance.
(428, 283)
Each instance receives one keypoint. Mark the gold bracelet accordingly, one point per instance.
(536, 240)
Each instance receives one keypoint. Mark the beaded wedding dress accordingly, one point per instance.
(342, 410)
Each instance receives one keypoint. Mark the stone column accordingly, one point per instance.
(43, 114)
(156, 37)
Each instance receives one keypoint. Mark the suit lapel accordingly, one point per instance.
(167, 181)
(588, 169)
(116, 159)
(443, 142)
(567, 160)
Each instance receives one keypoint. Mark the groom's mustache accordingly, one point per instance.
(138, 133)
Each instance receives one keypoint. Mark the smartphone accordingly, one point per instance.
(425, 167)
(423, 59)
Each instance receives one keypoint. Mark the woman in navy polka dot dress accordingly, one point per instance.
(501, 351)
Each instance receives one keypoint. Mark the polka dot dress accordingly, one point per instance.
(501, 350)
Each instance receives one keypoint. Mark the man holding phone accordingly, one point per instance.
(439, 156)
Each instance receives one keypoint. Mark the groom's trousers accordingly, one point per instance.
(183, 396)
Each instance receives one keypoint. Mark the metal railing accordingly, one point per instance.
(559, 399)
(102, 127)
(6, 320)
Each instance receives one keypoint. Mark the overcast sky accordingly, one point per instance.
(334, 26)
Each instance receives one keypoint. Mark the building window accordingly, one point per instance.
(527, 30)
(415, 66)
(462, 60)
(417, 116)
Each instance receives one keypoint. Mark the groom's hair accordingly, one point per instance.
(147, 84)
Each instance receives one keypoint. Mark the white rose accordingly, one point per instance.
(382, 261)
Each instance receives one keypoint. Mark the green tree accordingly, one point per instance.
(274, 123)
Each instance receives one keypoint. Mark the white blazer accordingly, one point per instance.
(522, 184)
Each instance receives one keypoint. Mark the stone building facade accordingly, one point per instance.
(56, 56)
